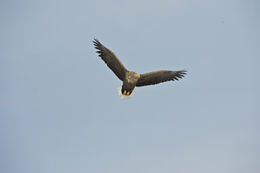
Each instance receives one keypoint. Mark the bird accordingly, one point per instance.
(133, 79)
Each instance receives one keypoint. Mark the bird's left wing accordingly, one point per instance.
(159, 76)
(110, 59)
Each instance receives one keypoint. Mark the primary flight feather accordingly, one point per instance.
(132, 79)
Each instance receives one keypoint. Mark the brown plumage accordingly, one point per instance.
(131, 79)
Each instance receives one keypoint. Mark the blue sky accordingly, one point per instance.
(60, 111)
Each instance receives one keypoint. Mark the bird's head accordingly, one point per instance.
(132, 77)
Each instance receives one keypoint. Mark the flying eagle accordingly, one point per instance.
(132, 79)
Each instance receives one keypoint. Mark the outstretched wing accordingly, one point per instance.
(159, 76)
(110, 59)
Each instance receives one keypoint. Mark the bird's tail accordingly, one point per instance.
(124, 97)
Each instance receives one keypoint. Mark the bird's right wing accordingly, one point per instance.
(110, 59)
(159, 76)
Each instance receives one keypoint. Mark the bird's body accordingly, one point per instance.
(129, 83)
(132, 79)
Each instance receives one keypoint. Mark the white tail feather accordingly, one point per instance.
(124, 97)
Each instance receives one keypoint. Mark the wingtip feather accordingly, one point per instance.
(96, 43)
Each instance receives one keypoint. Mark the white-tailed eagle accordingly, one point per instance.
(132, 79)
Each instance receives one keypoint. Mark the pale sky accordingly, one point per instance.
(60, 110)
